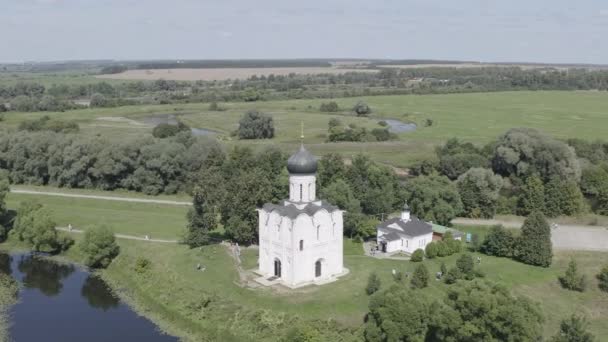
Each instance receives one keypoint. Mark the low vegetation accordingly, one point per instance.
(99, 247)
(8, 296)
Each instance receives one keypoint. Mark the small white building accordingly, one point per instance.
(406, 233)
(300, 238)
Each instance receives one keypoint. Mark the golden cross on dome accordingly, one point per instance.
(302, 132)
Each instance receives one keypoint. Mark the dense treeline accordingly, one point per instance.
(148, 165)
(25, 96)
(231, 186)
(522, 172)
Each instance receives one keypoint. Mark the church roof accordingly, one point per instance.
(412, 227)
(302, 162)
(291, 211)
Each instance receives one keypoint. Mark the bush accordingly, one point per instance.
(572, 280)
(499, 242)
(443, 268)
(431, 250)
(452, 276)
(142, 265)
(330, 107)
(466, 266)
(256, 125)
(418, 255)
(382, 123)
(442, 249)
(420, 278)
(362, 109)
(99, 246)
(166, 130)
(373, 284)
(603, 279)
(573, 329)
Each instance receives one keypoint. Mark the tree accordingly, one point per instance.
(166, 130)
(532, 196)
(35, 226)
(499, 242)
(256, 125)
(602, 277)
(466, 266)
(418, 255)
(573, 329)
(523, 152)
(479, 190)
(562, 197)
(99, 246)
(201, 220)
(482, 311)
(433, 198)
(99, 100)
(456, 158)
(431, 250)
(572, 280)
(373, 284)
(534, 243)
(399, 314)
(420, 278)
(362, 109)
(330, 107)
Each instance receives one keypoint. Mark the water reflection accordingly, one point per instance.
(42, 274)
(5, 264)
(98, 294)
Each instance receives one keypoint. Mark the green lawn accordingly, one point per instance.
(156, 220)
(170, 291)
(475, 117)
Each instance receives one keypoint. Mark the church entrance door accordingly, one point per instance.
(318, 268)
(383, 246)
(277, 268)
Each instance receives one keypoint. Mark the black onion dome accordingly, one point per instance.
(302, 162)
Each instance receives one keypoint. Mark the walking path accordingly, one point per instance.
(109, 198)
(567, 237)
(119, 236)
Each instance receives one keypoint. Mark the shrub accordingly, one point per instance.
(256, 125)
(330, 107)
(420, 278)
(382, 123)
(362, 109)
(99, 246)
(142, 265)
(373, 284)
(573, 329)
(534, 244)
(418, 255)
(452, 276)
(499, 242)
(442, 249)
(443, 268)
(603, 279)
(572, 280)
(431, 250)
(466, 266)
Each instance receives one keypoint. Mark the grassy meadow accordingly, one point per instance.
(474, 117)
(168, 290)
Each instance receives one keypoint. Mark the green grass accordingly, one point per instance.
(156, 220)
(475, 117)
(173, 285)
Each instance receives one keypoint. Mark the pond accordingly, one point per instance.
(154, 120)
(396, 126)
(60, 302)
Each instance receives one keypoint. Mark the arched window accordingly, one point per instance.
(301, 194)
(301, 245)
(318, 231)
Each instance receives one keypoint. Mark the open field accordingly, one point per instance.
(474, 117)
(220, 74)
(156, 220)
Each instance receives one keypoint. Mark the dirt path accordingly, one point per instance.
(119, 236)
(566, 237)
(109, 198)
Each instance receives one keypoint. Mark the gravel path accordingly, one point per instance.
(566, 237)
(119, 236)
(109, 198)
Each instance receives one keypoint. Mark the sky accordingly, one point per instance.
(549, 31)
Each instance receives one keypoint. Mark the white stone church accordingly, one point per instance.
(301, 238)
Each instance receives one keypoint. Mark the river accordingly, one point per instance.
(61, 302)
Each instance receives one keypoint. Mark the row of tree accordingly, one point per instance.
(145, 164)
(521, 172)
